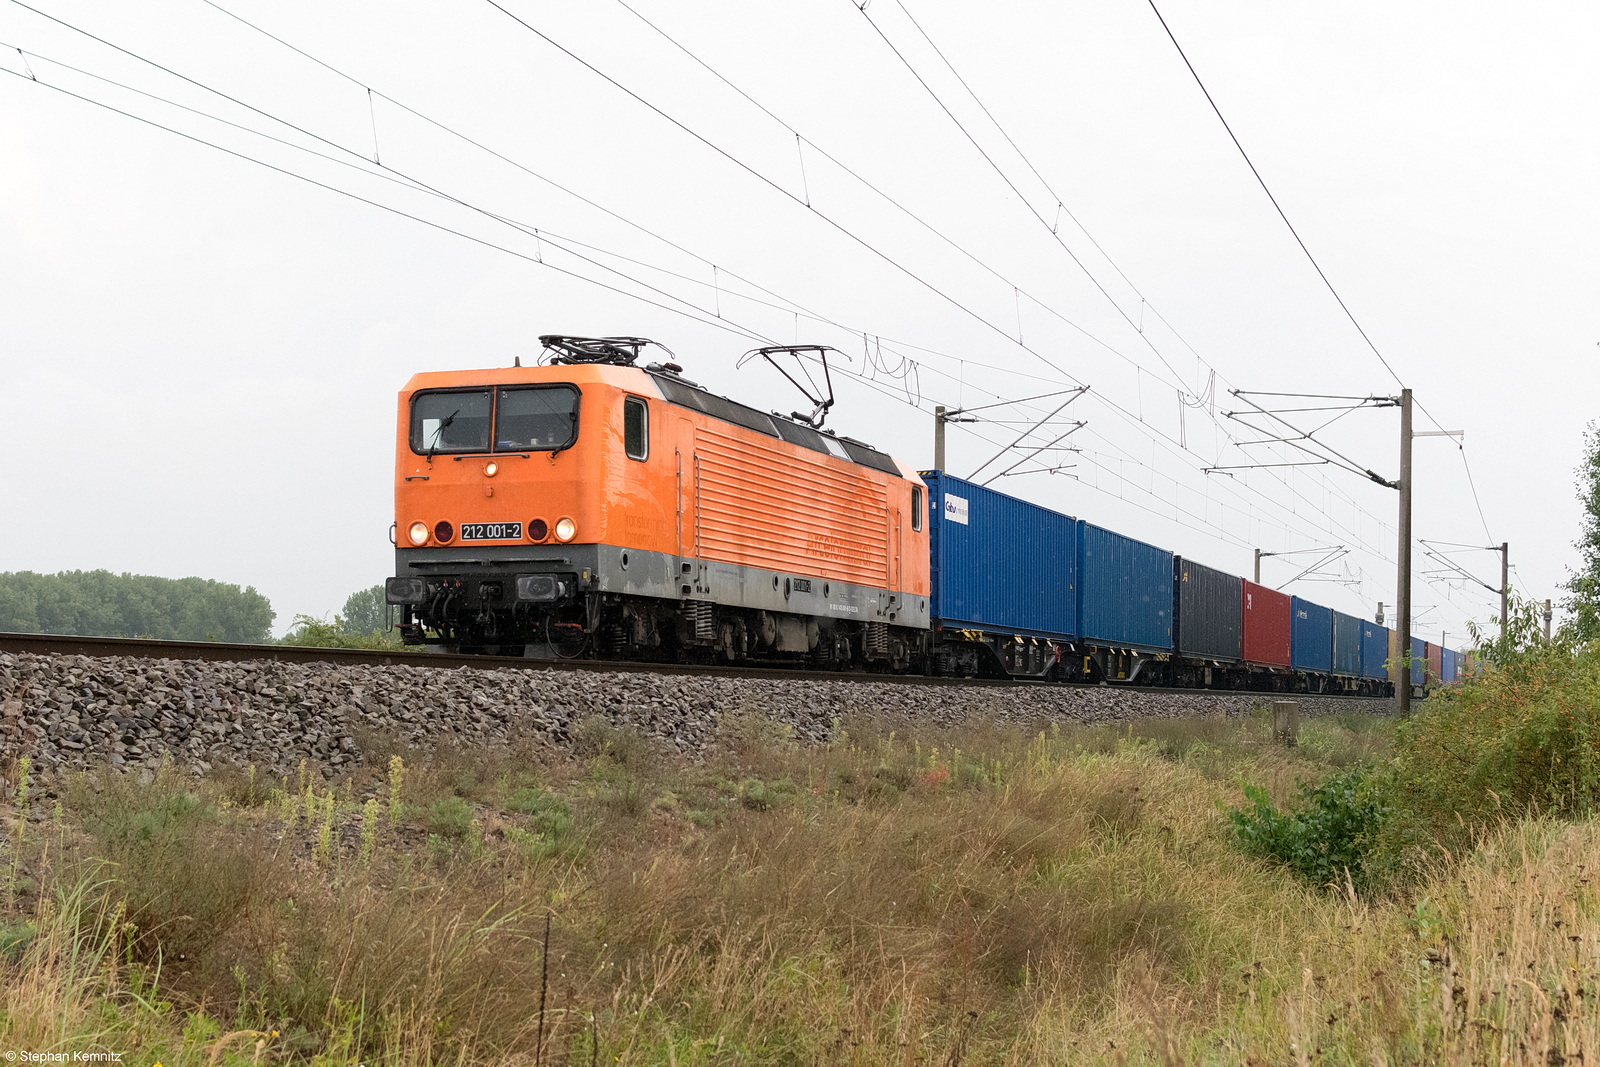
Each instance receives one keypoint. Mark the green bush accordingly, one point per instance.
(551, 815)
(764, 796)
(1328, 838)
(363, 623)
(450, 818)
(15, 937)
(1520, 738)
(320, 633)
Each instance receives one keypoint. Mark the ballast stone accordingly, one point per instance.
(71, 712)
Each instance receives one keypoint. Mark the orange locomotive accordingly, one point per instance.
(593, 507)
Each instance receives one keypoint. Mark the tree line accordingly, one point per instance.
(103, 604)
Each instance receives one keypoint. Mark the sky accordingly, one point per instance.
(201, 343)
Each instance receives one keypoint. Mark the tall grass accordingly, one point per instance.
(972, 896)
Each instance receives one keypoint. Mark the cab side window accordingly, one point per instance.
(636, 428)
(916, 507)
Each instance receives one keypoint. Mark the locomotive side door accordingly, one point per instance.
(685, 442)
(894, 550)
(687, 476)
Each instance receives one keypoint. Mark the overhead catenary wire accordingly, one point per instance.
(385, 173)
(403, 178)
(880, 192)
(407, 183)
(1365, 337)
(711, 321)
(1184, 393)
(777, 187)
(1271, 197)
(1052, 228)
(768, 181)
(1012, 186)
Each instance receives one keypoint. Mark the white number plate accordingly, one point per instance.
(491, 531)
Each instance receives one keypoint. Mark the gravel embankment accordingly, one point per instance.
(76, 711)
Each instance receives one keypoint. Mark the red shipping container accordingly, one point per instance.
(1266, 625)
(1435, 663)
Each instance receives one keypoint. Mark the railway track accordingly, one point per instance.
(102, 647)
(65, 645)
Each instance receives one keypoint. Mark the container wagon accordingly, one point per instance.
(1375, 645)
(1419, 664)
(1004, 575)
(1435, 665)
(1207, 616)
(1449, 665)
(1124, 603)
(1347, 649)
(1311, 643)
(1265, 616)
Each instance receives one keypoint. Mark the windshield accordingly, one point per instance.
(450, 422)
(540, 417)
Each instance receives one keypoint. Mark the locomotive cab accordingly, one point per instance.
(592, 507)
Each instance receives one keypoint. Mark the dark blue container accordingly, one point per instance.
(1449, 669)
(1374, 651)
(1419, 661)
(1208, 612)
(1124, 591)
(1000, 563)
(1346, 645)
(1310, 636)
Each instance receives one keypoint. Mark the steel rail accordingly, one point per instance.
(100, 647)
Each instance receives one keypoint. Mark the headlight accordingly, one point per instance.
(566, 529)
(404, 590)
(489, 469)
(541, 587)
(419, 533)
(443, 531)
(538, 530)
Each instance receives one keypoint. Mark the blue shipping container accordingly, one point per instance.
(1374, 651)
(1000, 563)
(1346, 644)
(1310, 636)
(1419, 661)
(1449, 662)
(1124, 591)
